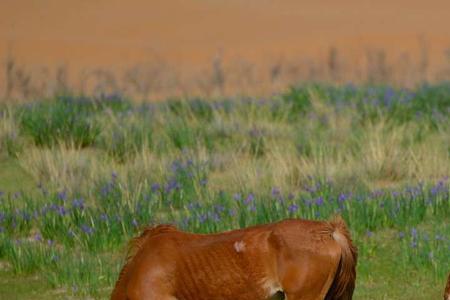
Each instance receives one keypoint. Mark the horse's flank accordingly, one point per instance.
(303, 259)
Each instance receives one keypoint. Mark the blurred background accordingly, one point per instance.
(155, 49)
(272, 110)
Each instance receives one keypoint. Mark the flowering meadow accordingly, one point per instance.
(87, 174)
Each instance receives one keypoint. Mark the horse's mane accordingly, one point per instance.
(134, 247)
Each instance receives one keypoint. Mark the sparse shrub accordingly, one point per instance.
(11, 142)
(122, 141)
(299, 99)
(257, 142)
(60, 121)
(198, 108)
(180, 134)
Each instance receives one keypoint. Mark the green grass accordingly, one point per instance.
(381, 276)
(92, 172)
(16, 287)
(13, 177)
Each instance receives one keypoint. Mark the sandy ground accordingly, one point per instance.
(189, 33)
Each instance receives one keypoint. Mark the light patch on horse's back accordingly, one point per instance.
(239, 246)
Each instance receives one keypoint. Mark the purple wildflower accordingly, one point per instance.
(78, 203)
(414, 233)
(104, 217)
(106, 189)
(26, 216)
(135, 223)
(172, 185)
(237, 197)
(155, 187)
(61, 210)
(293, 208)
(319, 201)
(185, 222)
(216, 217)
(342, 198)
(202, 218)
(62, 195)
(176, 165)
(219, 208)
(250, 198)
(377, 193)
(310, 189)
(38, 237)
(275, 192)
(87, 229)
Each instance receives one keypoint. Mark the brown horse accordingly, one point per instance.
(292, 259)
(447, 289)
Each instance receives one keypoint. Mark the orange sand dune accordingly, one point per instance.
(189, 33)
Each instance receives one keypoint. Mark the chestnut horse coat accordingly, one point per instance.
(295, 259)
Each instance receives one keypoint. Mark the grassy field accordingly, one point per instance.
(80, 176)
